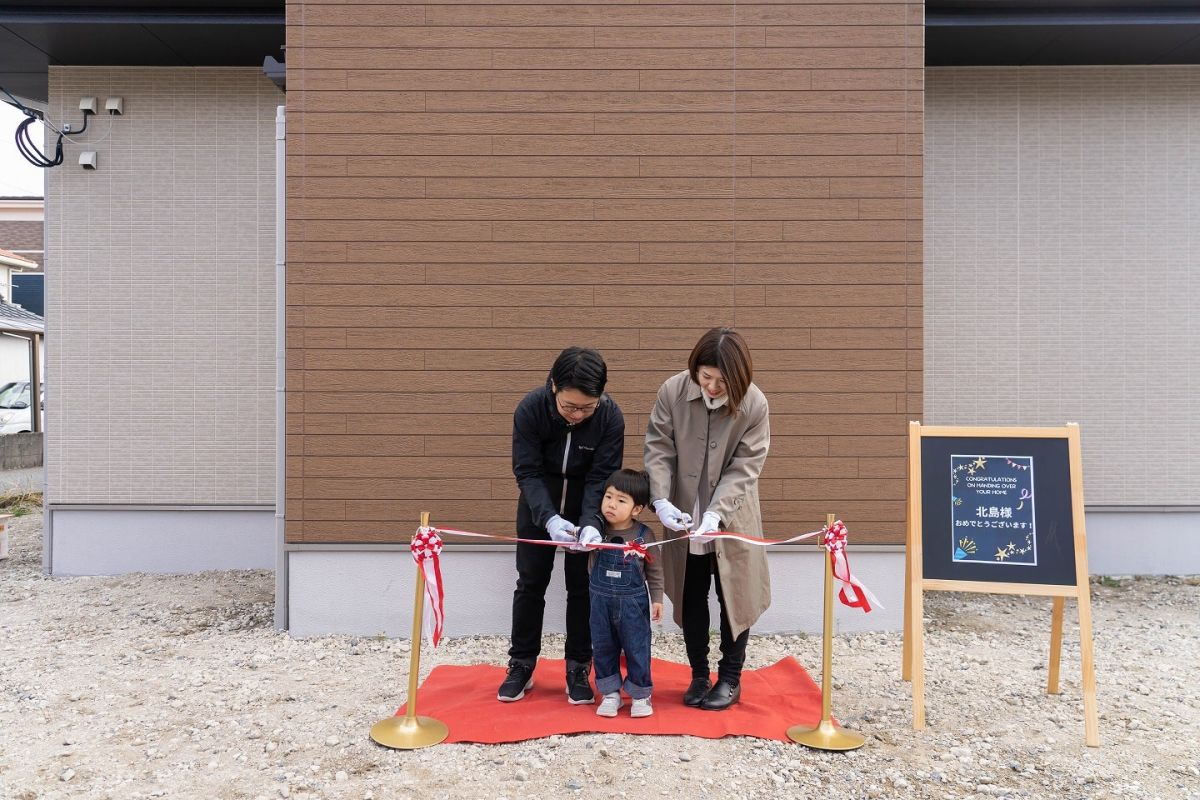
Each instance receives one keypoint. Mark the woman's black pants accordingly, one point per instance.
(701, 570)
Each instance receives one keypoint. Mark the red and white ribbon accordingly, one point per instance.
(851, 592)
(633, 548)
(426, 549)
(745, 538)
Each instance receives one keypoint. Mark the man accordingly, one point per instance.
(568, 437)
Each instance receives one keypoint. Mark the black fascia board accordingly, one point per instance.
(1041, 16)
(160, 15)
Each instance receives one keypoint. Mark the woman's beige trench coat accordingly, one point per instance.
(679, 430)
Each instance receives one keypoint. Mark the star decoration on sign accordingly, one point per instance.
(980, 463)
(1020, 551)
(1001, 554)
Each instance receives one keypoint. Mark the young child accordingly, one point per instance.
(621, 611)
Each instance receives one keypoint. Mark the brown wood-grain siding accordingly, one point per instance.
(473, 186)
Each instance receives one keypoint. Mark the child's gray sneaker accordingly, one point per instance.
(610, 705)
(641, 707)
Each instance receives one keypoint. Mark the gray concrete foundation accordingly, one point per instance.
(98, 540)
(370, 592)
(1144, 541)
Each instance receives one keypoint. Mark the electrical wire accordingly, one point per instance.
(91, 142)
(24, 139)
(25, 144)
(30, 150)
(14, 100)
(68, 133)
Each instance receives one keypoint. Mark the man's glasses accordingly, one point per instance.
(571, 408)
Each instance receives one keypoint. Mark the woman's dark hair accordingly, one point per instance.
(579, 368)
(725, 349)
(632, 482)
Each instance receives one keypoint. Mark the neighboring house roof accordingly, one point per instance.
(15, 319)
(17, 262)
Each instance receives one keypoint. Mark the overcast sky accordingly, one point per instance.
(17, 176)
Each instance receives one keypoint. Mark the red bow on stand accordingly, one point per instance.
(851, 592)
(426, 549)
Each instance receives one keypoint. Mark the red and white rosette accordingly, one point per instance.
(851, 592)
(636, 548)
(426, 549)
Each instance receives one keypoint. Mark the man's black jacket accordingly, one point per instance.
(561, 468)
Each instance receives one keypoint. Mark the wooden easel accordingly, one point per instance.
(915, 585)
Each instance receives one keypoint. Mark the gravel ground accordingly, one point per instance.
(177, 686)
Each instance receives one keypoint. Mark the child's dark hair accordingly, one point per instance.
(579, 368)
(632, 482)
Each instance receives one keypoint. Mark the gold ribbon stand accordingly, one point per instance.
(411, 732)
(826, 735)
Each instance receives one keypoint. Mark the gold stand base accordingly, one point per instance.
(409, 733)
(826, 736)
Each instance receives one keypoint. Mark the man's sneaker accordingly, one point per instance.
(610, 705)
(641, 707)
(579, 687)
(518, 681)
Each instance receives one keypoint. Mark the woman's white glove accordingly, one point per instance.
(709, 523)
(670, 516)
(560, 530)
(588, 536)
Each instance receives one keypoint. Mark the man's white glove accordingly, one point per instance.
(588, 536)
(560, 530)
(709, 523)
(670, 516)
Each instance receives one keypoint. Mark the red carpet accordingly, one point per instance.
(773, 699)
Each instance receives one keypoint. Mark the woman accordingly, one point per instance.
(706, 442)
(568, 437)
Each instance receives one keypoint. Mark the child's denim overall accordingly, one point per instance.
(620, 620)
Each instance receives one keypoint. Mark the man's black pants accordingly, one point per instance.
(534, 566)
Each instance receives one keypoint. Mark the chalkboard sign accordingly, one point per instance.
(997, 510)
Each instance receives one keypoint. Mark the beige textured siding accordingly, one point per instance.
(473, 187)
(1063, 262)
(160, 290)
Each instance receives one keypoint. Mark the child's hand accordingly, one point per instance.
(656, 612)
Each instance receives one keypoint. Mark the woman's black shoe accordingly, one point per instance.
(579, 687)
(721, 696)
(696, 691)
